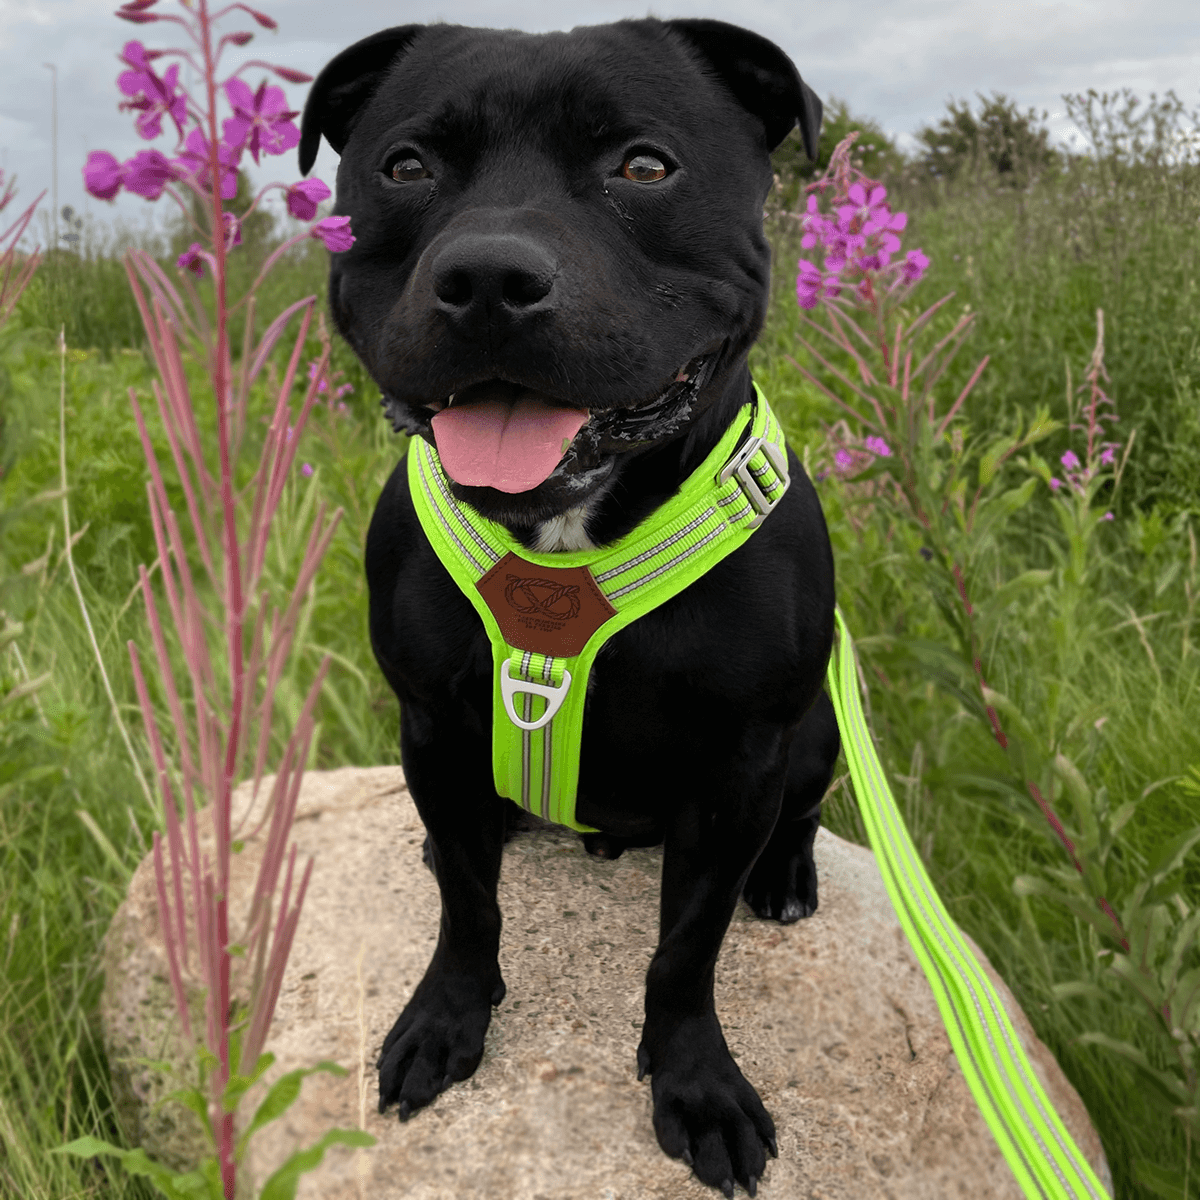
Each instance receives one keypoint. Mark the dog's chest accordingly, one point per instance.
(567, 531)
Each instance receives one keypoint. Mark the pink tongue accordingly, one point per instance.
(510, 447)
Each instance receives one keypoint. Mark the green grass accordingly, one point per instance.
(1033, 266)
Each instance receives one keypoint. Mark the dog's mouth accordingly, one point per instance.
(501, 435)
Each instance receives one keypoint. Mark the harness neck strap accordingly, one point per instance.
(548, 614)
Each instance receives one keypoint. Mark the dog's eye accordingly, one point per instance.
(644, 168)
(409, 169)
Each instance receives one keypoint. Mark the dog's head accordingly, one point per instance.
(559, 253)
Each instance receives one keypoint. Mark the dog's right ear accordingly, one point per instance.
(344, 87)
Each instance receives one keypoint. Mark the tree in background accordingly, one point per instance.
(1001, 140)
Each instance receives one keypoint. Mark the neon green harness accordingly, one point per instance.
(548, 614)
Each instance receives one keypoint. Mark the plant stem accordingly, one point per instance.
(223, 1121)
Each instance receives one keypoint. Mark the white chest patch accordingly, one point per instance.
(564, 532)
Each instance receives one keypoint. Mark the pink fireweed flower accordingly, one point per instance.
(878, 446)
(306, 469)
(1108, 517)
(147, 173)
(1106, 455)
(843, 460)
(334, 232)
(192, 163)
(1070, 461)
(859, 239)
(870, 209)
(102, 175)
(303, 198)
(816, 227)
(874, 262)
(868, 216)
(192, 259)
(313, 368)
(843, 247)
(261, 120)
(151, 97)
(233, 230)
(915, 264)
(811, 285)
(1055, 484)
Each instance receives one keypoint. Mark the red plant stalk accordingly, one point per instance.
(223, 704)
(858, 241)
(15, 272)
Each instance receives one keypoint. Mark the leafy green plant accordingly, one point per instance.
(205, 1181)
(944, 499)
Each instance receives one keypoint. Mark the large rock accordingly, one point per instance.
(831, 1019)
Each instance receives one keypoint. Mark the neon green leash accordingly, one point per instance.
(547, 615)
(1035, 1143)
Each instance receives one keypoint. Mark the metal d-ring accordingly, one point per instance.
(554, 695)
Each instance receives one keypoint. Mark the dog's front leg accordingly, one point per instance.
(438, 1038)
(704, 1109)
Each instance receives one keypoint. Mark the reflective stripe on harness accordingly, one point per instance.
(1043, 1156)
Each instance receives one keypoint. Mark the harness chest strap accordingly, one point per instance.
(547, 615)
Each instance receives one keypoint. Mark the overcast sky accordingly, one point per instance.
(897, 61)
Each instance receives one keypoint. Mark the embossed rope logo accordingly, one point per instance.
(542, 597)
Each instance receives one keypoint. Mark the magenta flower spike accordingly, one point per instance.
(102, 175)
(233, 652)
(261, 121)
(890, 388)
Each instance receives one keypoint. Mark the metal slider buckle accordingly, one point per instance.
(739, 465)
(554, 696)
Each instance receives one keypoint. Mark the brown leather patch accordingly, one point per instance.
(549, 610)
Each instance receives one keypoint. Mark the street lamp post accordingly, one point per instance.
(53, 69)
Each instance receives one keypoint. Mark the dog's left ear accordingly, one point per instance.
(344, 87)
(762, 78)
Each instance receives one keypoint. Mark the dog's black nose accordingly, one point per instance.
(479, 276)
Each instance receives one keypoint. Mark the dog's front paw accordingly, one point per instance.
(783, 888)
(436, 1041)
(705, 1111)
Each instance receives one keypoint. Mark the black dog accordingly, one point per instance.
(578, 217)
